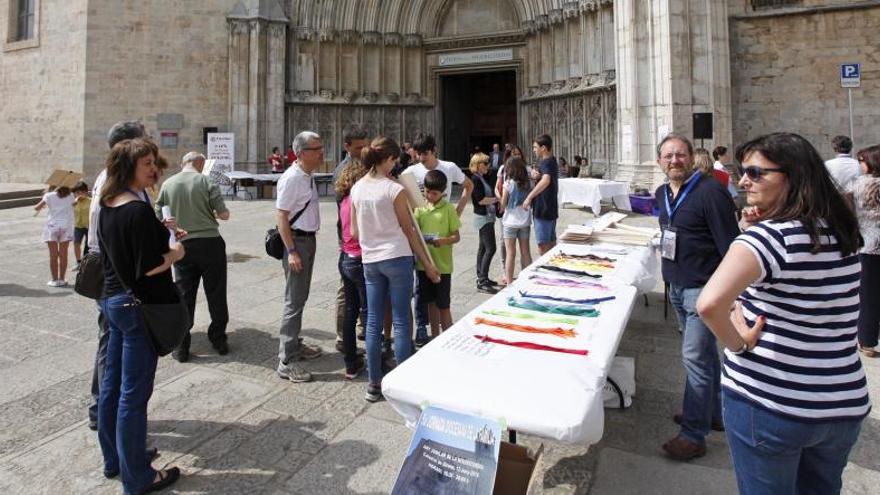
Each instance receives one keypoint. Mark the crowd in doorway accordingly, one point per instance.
(784, 281)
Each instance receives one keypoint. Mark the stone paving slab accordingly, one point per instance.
(234, 427)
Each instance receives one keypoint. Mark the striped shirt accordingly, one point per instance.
(806, 364)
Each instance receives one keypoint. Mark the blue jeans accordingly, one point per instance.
(545, 231)
(126, 387)
(355, 288)
(702, 391)
(774, 454)
(421, 312)
(389, 278)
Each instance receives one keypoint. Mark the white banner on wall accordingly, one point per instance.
(477, 57)
(221, 149)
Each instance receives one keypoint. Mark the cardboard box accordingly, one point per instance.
(67, 178)
(267, 191)
(517, 468)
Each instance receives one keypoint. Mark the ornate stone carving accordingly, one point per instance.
(392, 39)
(327, 34)
(412, 40)
(529, 26)
(570, 9)
(349, 95)
(238, 26)
(371, 97)
(393, 97)
(481, 41)
(348, 36)
(304, 33)
(555, 16)
(541, 22)
(276, 30)
(327, 94)
(371, 37)
(303, 94)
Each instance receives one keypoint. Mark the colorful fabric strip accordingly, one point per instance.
(528, 316)
(565, 333)
(566, 282)
(579, 273)
(558, 309)
(531, 345)
(597, 300)
(588, 257)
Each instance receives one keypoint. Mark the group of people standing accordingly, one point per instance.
(788, 292)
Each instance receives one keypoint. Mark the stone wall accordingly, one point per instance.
(785, 73)
(145, 60)
(41, 94)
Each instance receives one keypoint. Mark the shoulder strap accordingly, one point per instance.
(300, 212)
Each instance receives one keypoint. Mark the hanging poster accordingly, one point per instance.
(221, 149)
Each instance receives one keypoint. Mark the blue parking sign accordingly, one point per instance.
(850, 75)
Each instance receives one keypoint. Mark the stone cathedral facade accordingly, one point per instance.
(605, 78)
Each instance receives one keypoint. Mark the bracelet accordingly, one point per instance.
(291, 250)
(744, 348)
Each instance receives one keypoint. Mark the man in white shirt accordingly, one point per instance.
(844, 169)
(298, 218)
(721, 157)
(426, 150)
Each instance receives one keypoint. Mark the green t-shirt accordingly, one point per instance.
(439, 220)
(193, 199)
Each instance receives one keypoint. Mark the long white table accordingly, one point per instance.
(548, 394)
(591, 192)
(322, 179)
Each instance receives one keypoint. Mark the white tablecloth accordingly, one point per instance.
(548, 394)
(590, 193)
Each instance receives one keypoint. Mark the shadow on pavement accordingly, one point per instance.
(22, 291)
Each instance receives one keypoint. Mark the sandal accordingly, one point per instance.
(868, 351)
(167, 477)
(152, 453)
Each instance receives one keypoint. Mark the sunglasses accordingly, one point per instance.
(755, 173)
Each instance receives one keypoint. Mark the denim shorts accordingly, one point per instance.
(516, 232)
(79, 233)
(545, 230)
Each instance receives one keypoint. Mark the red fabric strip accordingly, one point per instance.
(530, 345)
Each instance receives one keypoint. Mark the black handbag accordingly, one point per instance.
(90, 277)
(274, 244)
(167, 323)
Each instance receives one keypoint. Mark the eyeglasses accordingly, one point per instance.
(668, 158)
(754, 173)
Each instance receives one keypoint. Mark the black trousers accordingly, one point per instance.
(869, 296)
(100, 359)
(485, 251)
(205, 259)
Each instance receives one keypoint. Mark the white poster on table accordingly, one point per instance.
(221, 149)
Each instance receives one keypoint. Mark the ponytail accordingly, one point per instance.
(378, 151)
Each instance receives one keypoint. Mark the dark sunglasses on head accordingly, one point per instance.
(755, 173)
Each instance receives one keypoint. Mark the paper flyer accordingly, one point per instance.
(450, 454)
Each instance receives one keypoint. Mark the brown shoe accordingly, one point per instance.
(868, 351)
(682, 449)
(716, 425)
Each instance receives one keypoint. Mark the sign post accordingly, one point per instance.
(850, 77)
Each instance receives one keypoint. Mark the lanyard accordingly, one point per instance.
(146, 197)
(681, 197)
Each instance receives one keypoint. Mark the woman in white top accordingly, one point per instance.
(58, 231)
(865, 192)
(387, 248)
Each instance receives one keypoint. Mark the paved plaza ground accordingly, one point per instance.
(234, 427)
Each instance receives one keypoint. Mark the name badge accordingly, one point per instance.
(667, 244)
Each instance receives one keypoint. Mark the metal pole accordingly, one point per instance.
(851, 135)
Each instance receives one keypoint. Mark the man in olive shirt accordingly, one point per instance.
(196, 203)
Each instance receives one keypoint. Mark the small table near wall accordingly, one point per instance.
(323, 181)
(591, 192)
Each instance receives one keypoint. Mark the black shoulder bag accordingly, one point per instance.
(274, 244)
(166, 323)
(90, 277)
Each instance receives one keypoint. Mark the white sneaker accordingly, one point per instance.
(75, 267)
(52, 283)
(61, 283)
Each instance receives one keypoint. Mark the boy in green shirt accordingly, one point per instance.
(439, 224)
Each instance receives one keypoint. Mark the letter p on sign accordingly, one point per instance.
(850, 75)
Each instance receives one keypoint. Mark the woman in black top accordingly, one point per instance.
(137, 262)
(484, 201)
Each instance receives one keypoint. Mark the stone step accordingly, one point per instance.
(19, 202)
(21, 193)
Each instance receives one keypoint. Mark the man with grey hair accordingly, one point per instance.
(196, 203)
(298, 218)
(698, 223)
(128, 129)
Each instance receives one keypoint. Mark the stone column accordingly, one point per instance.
(275, 94)
(672, 60)
(238, 85)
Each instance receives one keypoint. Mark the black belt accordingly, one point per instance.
(303, 233)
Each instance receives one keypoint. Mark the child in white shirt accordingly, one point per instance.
(58, 231)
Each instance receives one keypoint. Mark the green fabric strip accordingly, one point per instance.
(528, 316)
(559, 310)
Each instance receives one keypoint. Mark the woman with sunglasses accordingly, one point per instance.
(865, 195)
(784, 303)
(484, 200)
